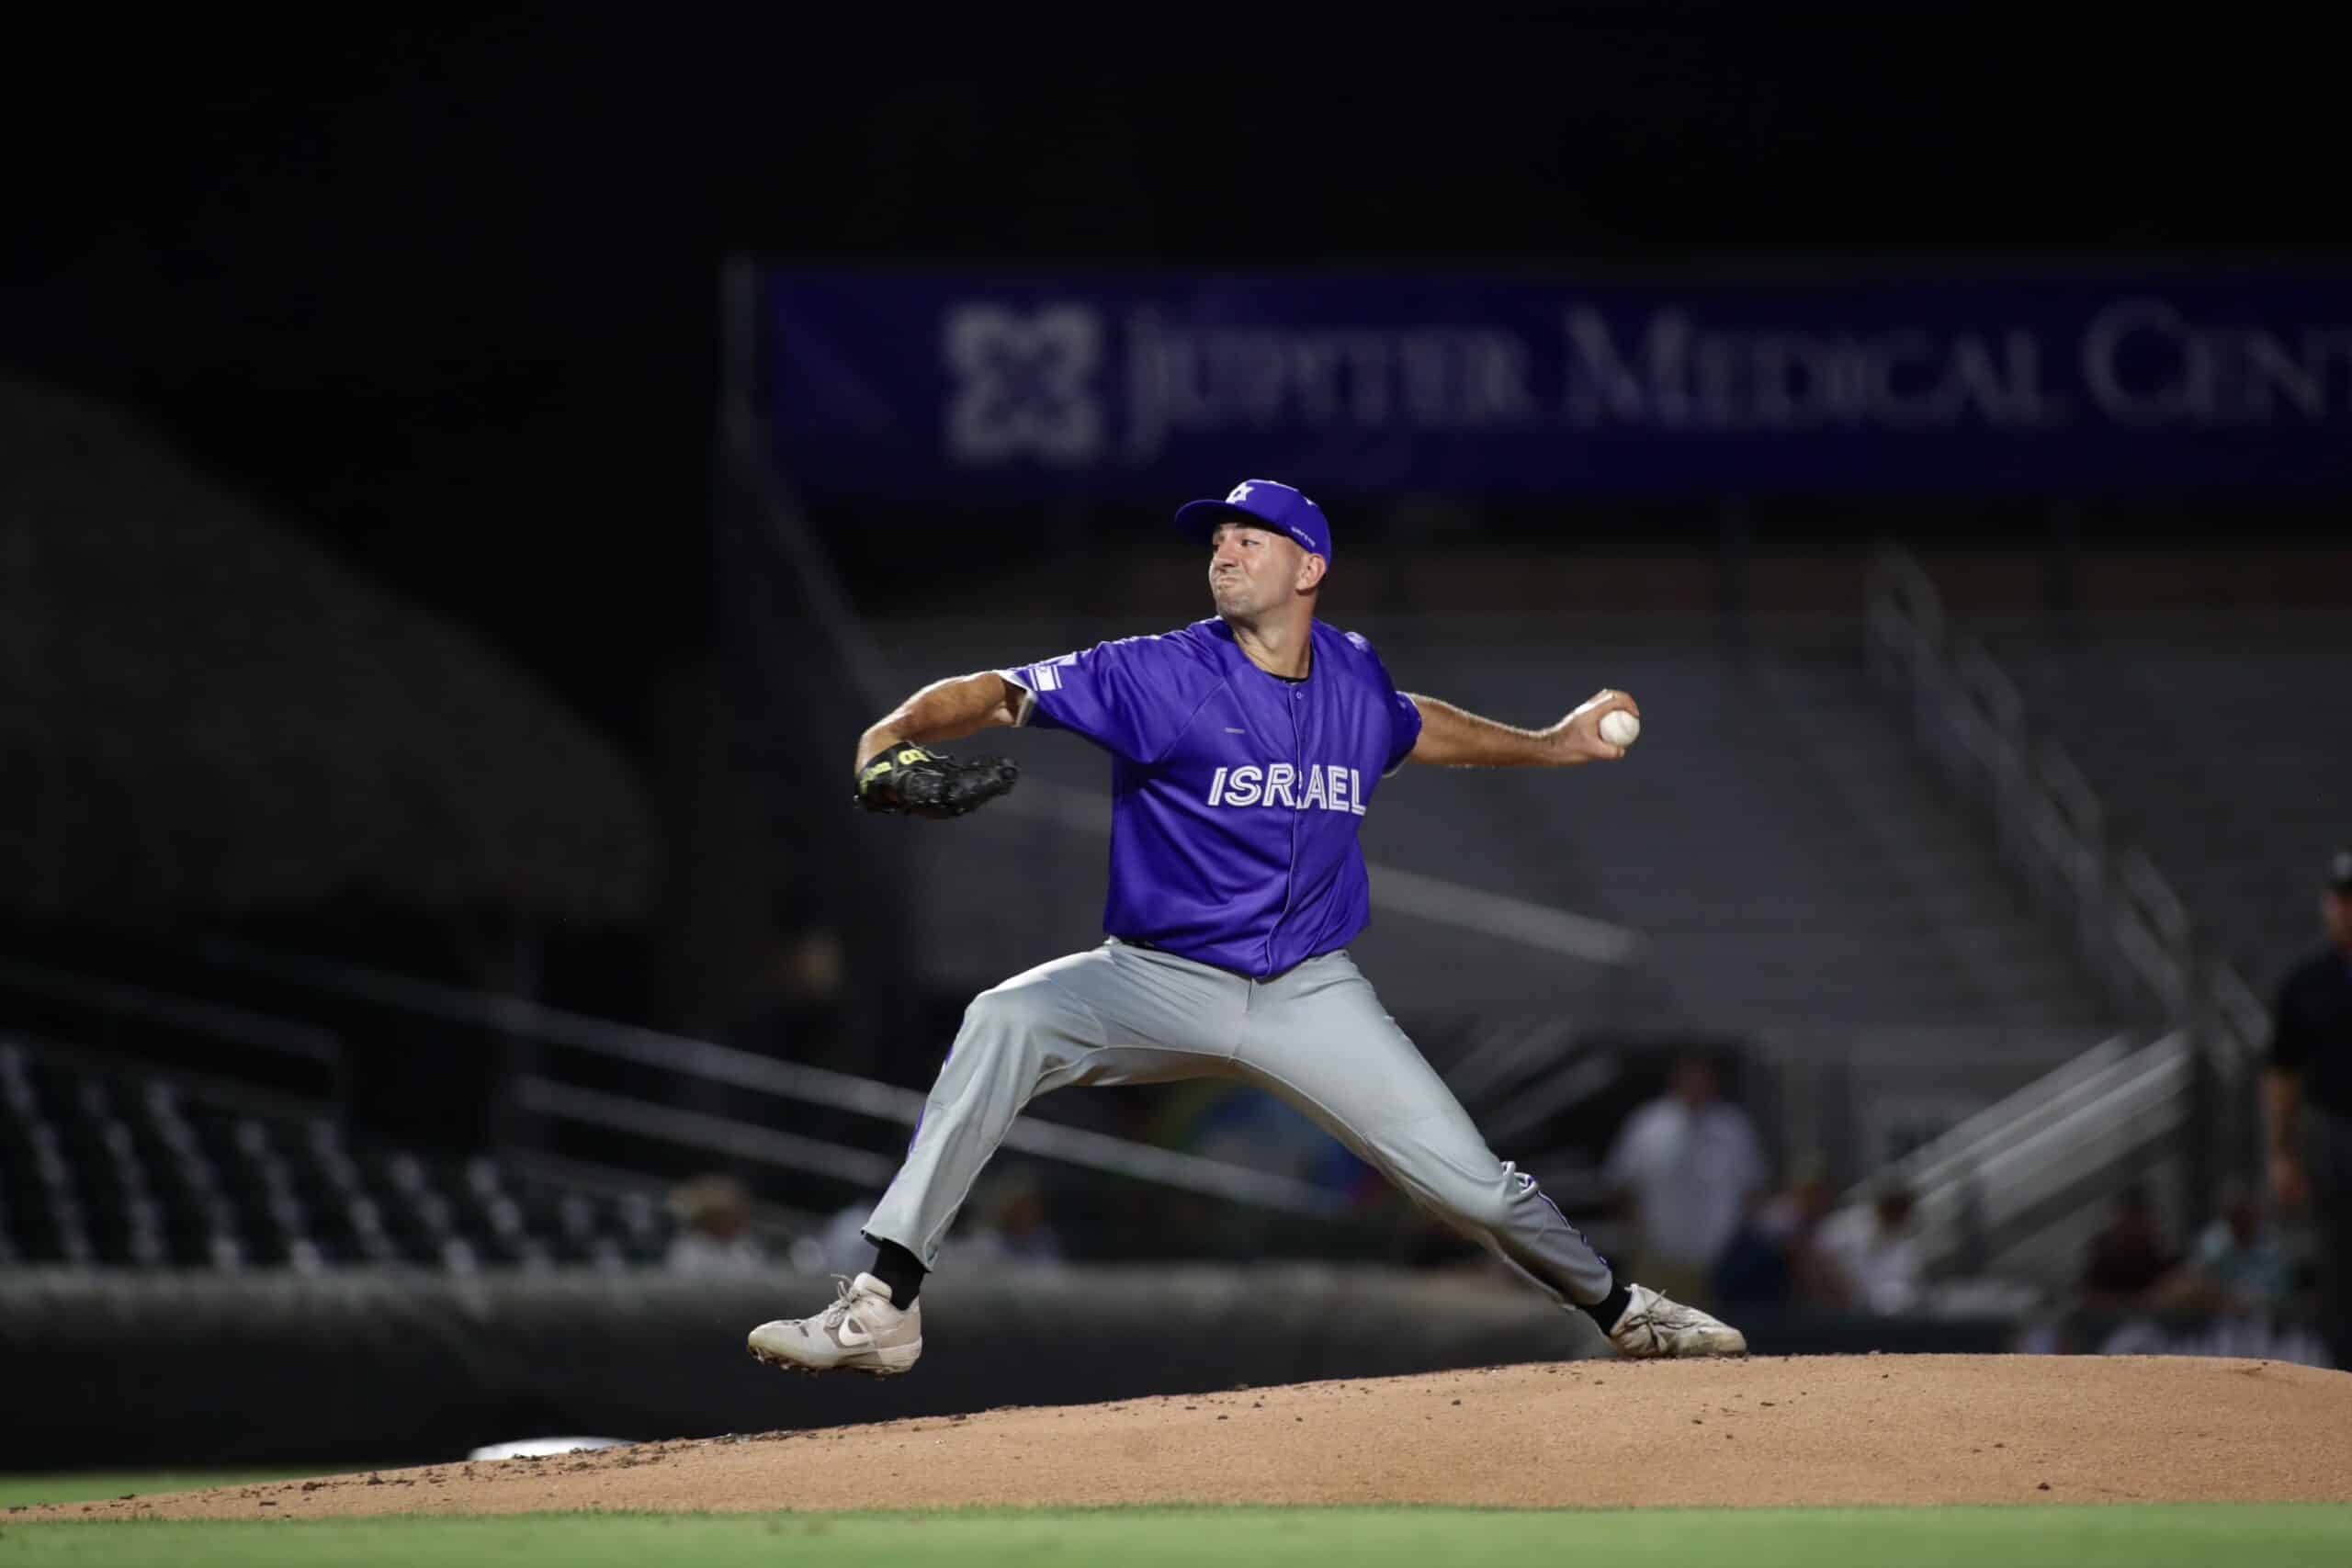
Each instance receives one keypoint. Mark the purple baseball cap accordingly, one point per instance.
(1268, 502)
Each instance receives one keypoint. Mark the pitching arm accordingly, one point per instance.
(1454, 738)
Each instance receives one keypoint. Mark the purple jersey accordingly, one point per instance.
(1235, 793)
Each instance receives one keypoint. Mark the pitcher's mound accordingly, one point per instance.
(1598, 1433)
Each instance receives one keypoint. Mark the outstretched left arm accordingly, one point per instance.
(1453, 739)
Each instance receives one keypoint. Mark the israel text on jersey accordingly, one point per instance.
(1279, 783)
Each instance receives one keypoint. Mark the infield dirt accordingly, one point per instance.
(1764, 1432)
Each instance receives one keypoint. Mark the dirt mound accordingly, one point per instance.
(1603, 1433)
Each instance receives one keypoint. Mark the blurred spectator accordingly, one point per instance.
(840, 1248)
(1775, 1257)
(2238, 1266)
(1013, 1225)
(2307, 1102)
(1687, 1164)
(1875, 1248)
(714, 1235)
(1245, 1126)
(2228, 1299)
(2128, 1259)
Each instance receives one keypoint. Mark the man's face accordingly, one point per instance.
(2335, 914)
(1694, 1081)
(1253, 569)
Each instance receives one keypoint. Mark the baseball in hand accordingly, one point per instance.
(1619, 727)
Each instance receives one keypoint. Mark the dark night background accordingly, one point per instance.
(447, 294)
(445, 297)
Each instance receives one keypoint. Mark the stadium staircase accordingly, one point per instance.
(2105, 768)
(2218, 743)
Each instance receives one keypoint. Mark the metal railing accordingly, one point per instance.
(2131, 927)
(1987, 1189)
(543, 1094)
(303, 1059)
(319, 1059)
(2134, 931)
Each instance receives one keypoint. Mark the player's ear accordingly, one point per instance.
(1310, 571)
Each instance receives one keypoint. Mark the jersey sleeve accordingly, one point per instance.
(1404, 720)
(1133, 696)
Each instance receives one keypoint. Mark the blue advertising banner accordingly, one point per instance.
(929, 385)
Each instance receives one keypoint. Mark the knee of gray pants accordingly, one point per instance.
(1494, 1207)
(1023, 1017)
(1016, 1007)
(1485, 1204)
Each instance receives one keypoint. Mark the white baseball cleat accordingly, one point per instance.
(1655, 1326)
(861, 1332)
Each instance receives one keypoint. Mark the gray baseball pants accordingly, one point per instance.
(1316, 1036)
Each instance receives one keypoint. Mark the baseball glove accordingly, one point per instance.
(916, 782)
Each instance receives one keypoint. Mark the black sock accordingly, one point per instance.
(1609, 1308)
(899, 1269)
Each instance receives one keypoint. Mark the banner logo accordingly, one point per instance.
(1024, 384)
(1140, 385)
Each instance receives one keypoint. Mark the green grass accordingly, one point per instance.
(78, 1486)
(2121, 1536)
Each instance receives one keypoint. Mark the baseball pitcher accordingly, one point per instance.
(1246, 748)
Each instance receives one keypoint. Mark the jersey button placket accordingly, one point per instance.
(1298, 773)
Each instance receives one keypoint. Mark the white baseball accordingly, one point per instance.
(1619, 727)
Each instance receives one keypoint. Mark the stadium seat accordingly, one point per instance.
(101, 1170)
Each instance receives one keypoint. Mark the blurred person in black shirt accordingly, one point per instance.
(2307, 1102)
(2128, 1259)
